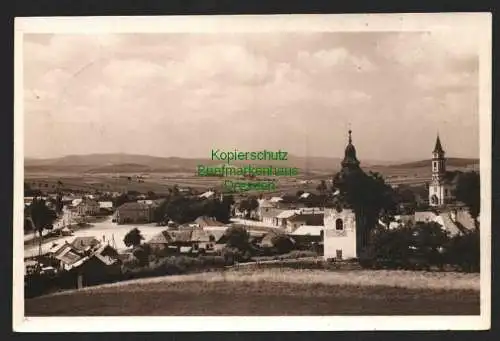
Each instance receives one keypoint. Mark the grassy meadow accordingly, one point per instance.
(241, 291)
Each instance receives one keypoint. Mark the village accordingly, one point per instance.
(112, 236)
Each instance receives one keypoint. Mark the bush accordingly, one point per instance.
(238, 238)
(142, 253)
(232, 255)
(282, 243)
(464, 252)
(420, 247)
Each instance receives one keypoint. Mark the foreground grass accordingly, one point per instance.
(272, 292)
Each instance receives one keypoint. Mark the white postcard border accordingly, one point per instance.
(477, 22)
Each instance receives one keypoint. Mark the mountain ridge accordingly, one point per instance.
(122, 162)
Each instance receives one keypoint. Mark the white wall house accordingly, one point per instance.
(339, 238)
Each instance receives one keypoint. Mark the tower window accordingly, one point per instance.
(339, 225)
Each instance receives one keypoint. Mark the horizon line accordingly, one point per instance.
(208, 158)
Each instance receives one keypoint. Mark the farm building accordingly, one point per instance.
(87, 207)
(134, 212)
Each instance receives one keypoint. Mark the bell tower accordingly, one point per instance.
(438, 191)
(438, 162)
(350, 160)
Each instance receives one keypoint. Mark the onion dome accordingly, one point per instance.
(350, 160)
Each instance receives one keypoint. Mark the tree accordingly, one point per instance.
(322, 187)
(159, 214)
(282, 243)
(464, 251)
(238, 237)
(248, 204)
(411, 247)
(222, 209)
(59, 204)
(42, 217)
(428, 242)
(120, 200)
(468, 191)
(141, 253)
(133, 238)
(368, 195)
(151, 195)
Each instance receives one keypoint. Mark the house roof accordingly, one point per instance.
(200, 235)
(305, 216)
(68, 256)
(464, 218)
(312, 230)
(134, 206)
(310, 210)
(425, 216)
(446, 223)
(271, 212)
(161, 238)
(207, 194)
(265, 203)
(218, 235)
(87, 201)
(107, 260)
(81, 243)
(106, 204)
(181, 236)
(287, 214)
(405, 218)
(268, 237)
(57, 249)
(208, 221)
(76, 202)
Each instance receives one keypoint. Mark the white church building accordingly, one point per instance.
(440, 188)
(339, 236)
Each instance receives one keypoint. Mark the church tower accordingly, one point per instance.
(350, 161)
(439, 190)
(339, 235)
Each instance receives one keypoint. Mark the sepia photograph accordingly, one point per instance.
(298, 172)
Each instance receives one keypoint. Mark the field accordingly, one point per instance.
(271, 292)
(417, 173)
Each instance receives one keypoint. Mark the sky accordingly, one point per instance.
(184, 94)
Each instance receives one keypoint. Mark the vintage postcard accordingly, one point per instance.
(280, 172)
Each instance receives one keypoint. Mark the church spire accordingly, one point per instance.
(350, 159)
(438, 148)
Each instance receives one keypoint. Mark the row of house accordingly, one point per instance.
(290, 216)
(455, 221)
(87, 258)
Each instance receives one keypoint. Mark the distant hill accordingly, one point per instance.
(125, 163)
(130, 163)
(450, 162)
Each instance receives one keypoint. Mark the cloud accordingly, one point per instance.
(333, 58)
(161, 90)
(430, 48)
(447, 80)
